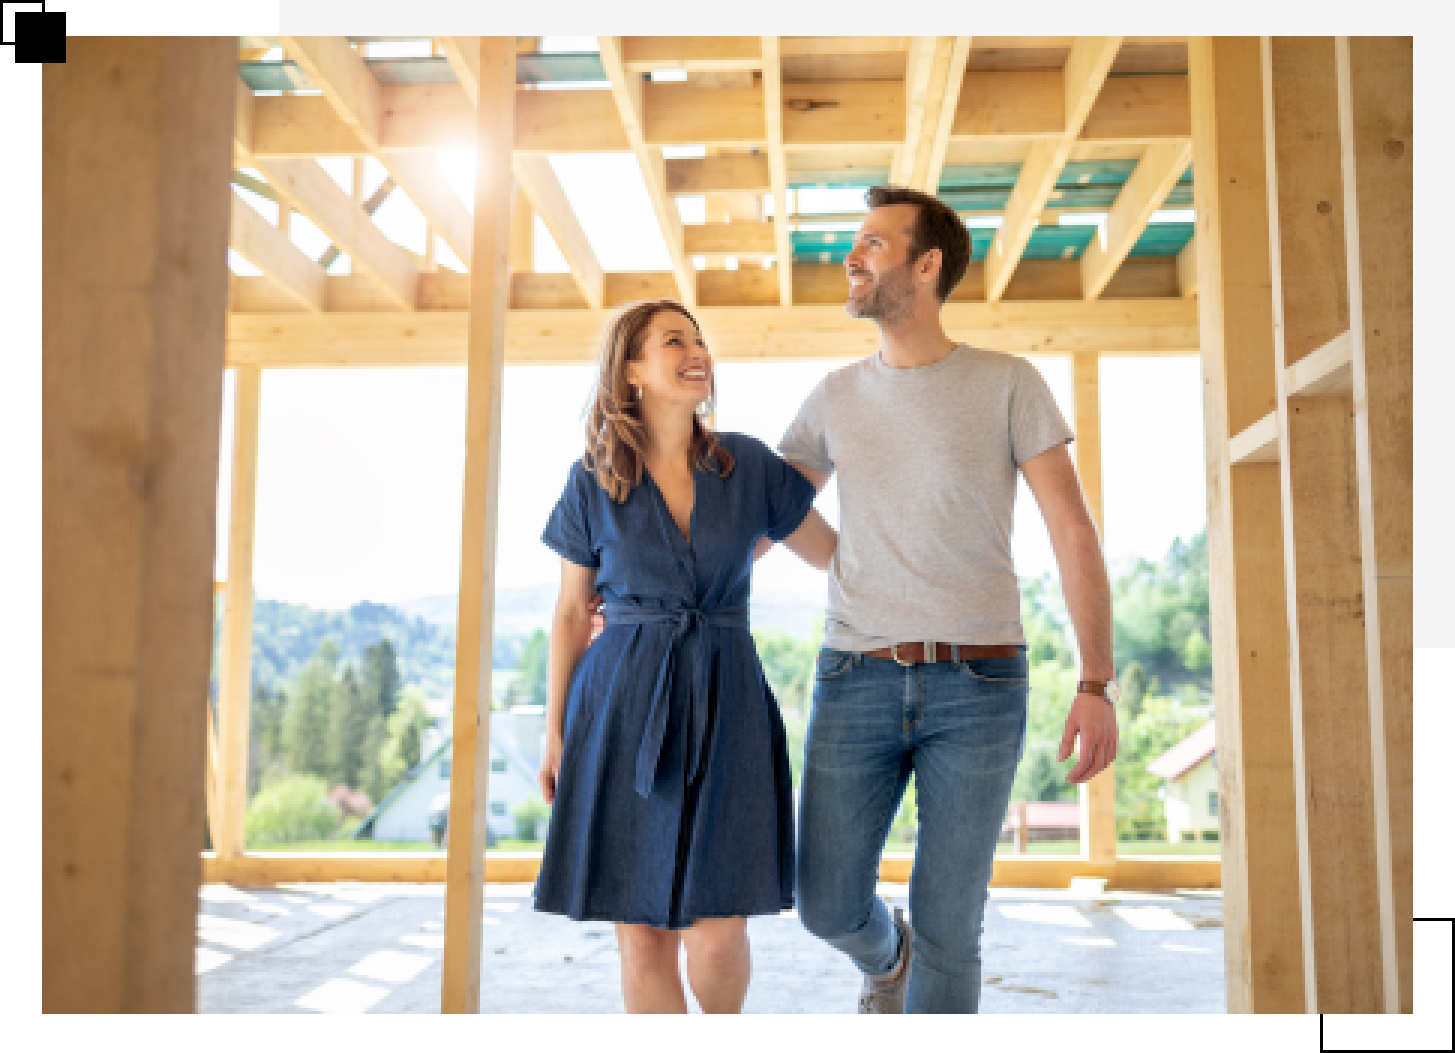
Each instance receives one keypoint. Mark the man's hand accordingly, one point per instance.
(1094, 721)
(598, 620)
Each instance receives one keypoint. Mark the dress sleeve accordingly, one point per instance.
(1036, 423)
(568, 531)
(789, 495)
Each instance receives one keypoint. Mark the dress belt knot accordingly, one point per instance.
(685, 621)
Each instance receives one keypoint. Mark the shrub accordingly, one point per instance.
(527, 818)
(295, 808)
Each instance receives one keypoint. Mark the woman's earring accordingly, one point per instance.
(639, 394)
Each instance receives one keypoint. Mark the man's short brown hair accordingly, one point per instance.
(935, 227)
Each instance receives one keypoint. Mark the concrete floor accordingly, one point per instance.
(376, 948)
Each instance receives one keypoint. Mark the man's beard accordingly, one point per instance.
(889, 301)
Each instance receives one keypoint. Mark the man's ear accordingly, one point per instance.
(930, 264)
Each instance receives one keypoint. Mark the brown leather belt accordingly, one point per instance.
(914, 653)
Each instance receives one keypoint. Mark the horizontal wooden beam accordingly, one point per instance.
(695, 54)
(1256, 444)
(992, 106)
(737, 239)
(723, 174)
(437, 337)
(1329, 370)
(268, 868)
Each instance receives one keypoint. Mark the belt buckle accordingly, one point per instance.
(894, 653)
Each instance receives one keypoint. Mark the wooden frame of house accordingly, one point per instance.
(1295, 291)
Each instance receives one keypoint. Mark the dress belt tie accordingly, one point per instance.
(683, 621)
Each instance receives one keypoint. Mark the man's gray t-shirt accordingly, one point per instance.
(926, 461)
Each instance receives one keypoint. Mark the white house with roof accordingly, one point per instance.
(515, 750)
(1190, 801)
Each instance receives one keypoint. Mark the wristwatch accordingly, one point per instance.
(1107, 689)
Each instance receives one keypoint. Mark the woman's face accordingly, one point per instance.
(674, 365)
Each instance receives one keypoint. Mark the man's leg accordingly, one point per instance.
(967, 744)
(855, 769)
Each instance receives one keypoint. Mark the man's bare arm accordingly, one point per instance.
(1052, 480)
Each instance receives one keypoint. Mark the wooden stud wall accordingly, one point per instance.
(1262, 934)
(1329, 678)
(1375, 78)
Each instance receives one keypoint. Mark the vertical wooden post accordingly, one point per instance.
(1262, 936)
(235, 660)
(137, 156)
(1098, 797)
(470, 770)
(1376, 132)
(1343, 967)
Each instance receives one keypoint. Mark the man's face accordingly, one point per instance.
(881, 286)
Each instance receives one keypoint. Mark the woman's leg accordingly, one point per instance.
(719, 963)
(650, 979)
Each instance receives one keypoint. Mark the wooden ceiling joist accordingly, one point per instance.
(537, 181)
(777, 166)
(723, 174)
(269, 250)
(1142, 194)
(305, 187)
(348, 85)
(694, 54)
(919, 95)
(626, 89)
(943, 120)
(1085, 72)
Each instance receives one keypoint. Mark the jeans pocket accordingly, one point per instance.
(996, 670)
(831, 664)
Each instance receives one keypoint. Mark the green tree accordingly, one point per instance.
(380, 682)
(306, 720)
(295, 808)
(400, 747)
(1133, 681)
(348, 730)
(529, 684)
(265, 734)
(1163, 723)
(527, 815)
(1196, 652)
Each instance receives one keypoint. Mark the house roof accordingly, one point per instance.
(1187, 754)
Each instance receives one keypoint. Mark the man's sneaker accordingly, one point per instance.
(887, 996)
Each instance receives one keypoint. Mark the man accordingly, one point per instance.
(923, 667)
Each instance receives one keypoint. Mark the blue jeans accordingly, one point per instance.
(960, 727)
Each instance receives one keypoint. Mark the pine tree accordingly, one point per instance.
(381, 681)
(348, 730)
(306, 720)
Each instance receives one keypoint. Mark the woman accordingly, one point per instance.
(665, 755)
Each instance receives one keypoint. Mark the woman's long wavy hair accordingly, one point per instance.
(616, 432)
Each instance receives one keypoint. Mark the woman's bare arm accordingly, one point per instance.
(570, 635)
(814, 541)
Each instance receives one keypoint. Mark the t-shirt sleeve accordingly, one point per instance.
(805, 441)
(568, 531)
(1036, 423)
(789, 495)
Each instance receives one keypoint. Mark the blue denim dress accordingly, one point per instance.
(675, 798)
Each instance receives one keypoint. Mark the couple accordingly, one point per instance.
(665, 755)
